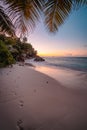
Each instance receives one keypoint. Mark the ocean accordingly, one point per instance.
(74, 63)
(71, 72)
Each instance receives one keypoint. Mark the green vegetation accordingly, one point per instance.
(12, 50)
(5, 56)
(23, 50)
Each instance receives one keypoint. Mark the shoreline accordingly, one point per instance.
(33, 100)
(67, 77)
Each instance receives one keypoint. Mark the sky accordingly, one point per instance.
(70, 40)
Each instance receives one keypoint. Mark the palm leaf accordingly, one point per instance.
(24, 13)
(56, 12)
(79, 2)
(6, 25)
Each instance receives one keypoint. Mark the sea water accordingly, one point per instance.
(76, 63)
(69, 71)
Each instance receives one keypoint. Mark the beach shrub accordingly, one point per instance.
(24, 49)
(5, 56)
(16, 49)
(10, 41)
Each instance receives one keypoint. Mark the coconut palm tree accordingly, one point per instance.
(25, 13)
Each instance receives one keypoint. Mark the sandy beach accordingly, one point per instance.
(30, 100)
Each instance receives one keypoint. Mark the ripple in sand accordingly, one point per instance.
(47, 82)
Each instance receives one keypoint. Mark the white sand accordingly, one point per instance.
(30, 100)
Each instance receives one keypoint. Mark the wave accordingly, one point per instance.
(76, 63)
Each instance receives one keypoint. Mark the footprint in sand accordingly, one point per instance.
(20, 125)
(21, 103)
(15, 93)
(47, 82)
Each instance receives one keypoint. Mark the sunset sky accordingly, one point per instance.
(70, 40)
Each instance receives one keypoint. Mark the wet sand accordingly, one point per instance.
(67, 77)
(30, 100)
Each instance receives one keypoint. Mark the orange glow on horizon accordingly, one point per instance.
(50, 54)
(65, 53)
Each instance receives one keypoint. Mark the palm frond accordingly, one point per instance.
(56, 11)
(78, 3)
(24, 13)
(6, 25)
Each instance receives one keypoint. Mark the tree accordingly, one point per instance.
(25, 13)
